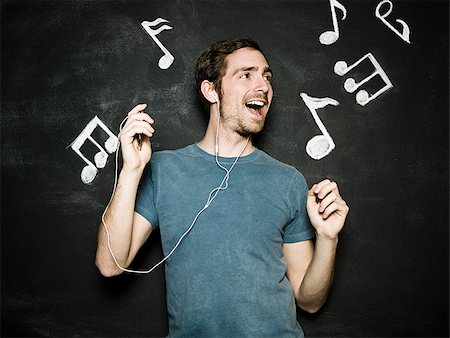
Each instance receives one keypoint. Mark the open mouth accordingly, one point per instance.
(256, 107)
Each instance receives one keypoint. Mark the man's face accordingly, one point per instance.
(246, 92)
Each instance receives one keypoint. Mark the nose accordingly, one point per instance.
(262, 84)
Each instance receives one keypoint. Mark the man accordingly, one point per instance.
(240, 221)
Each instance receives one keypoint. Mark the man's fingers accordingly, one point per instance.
(312, 191)
(138, 122)
(142, 116)
(138, 108)
(137, 127)
(338, 207)
(328, 200)
(138, 113)
(320, 185)
(325, 187)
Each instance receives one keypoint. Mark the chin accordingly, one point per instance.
(246, 131)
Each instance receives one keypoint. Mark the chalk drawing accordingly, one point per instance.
(362, 97)
(320, 145)
(330, 37)
(90, 170)
(404, 35)
(167, 59)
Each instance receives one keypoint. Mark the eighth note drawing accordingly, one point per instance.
(167, 59)
(90, 170)
(330, 37)
(404, 35)
(320, 145)
(362, 97)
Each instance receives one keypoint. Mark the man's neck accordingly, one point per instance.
(229, 145)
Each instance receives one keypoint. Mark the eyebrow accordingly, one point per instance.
(252, 69)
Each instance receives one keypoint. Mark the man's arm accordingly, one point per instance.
(127, 229)
(310, 269)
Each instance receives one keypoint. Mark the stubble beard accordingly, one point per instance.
(240, 126)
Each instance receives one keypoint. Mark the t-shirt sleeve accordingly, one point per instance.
(299, 228)
(145, 198)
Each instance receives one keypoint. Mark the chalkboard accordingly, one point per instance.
(64, 63)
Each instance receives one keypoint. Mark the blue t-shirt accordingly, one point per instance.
(227, 277)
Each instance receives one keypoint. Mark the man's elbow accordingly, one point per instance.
(311, 307)
(107, 270)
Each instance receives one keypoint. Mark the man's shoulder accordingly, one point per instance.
(271, 161)
(280, 171)
(170, 154)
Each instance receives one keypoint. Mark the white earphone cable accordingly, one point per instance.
(212, 195)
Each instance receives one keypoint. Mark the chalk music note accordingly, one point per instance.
(362, 97)
(330, 37)
(404, 35)
(320, 145)
(90, 170)
(167, 59)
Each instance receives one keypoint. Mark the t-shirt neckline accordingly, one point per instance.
(245, 158)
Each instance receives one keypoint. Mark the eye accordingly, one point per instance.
(245, 76)
(268, 78)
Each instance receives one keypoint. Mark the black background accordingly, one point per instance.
(64, 62)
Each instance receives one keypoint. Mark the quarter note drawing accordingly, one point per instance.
(362, 96)
(90, 170)
(320, 145)
(330, 37)
(167, 59)
(404, 34)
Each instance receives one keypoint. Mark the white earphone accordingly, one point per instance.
(216, 97)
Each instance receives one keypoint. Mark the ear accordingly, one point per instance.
(209, 92)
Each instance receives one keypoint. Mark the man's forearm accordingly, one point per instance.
(319, 276)
(119, 221)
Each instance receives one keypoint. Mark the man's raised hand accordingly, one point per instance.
(135, 138)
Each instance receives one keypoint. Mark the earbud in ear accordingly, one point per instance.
(216, 97)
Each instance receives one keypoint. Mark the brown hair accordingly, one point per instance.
(211, 64)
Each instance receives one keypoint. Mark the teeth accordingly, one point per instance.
(256, 103)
